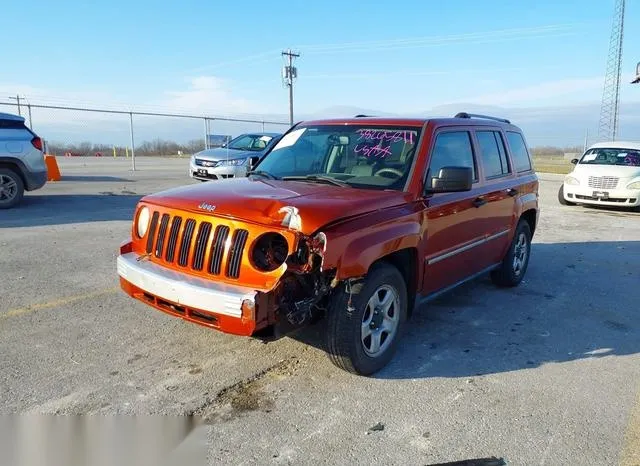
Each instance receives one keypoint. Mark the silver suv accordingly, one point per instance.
(22, 165)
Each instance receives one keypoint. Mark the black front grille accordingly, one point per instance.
(152, 231)
(220, 239)
(201, 245)
(162, 233)
(174, 240)
(186, 242)
(235, 254)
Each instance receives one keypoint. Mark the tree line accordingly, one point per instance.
(156, 147)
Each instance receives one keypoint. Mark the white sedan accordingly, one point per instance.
(607, 174)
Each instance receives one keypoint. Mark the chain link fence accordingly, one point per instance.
(74, 131)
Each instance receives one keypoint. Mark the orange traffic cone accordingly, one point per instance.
(53, 172)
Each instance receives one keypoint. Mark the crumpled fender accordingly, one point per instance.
(352, 254)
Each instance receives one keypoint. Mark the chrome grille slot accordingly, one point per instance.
(603, 182)
(217, 250)
(235, 254)
(201, 245)
(162, 233)
(152, 231)
(189, 227)
(173, 238)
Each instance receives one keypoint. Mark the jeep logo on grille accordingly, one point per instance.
(207, 207)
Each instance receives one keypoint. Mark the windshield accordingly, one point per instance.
(357, 155)
(251, 142)
(610, 156)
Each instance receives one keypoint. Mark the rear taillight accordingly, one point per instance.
(37, 143)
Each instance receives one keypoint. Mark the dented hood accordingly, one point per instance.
(266, 201)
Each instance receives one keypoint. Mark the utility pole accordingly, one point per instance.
(608, 128)
(289, 73)
(17, 98)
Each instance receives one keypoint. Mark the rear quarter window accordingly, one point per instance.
(11, 124)
(519, 152)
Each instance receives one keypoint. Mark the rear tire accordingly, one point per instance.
(11, 188)
(365, 321)
(515, 262)
(561, 198)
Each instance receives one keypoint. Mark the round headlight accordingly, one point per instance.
(270, 252)
(571, 181)
(143, 222)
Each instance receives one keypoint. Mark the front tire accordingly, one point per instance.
(515, 262)
(366, 319)
(561, 198)
(11, 188)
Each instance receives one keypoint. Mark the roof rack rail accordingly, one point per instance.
(363, 116)
(486, 117)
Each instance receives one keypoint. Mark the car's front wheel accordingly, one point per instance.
(11, 188)
(365, 320)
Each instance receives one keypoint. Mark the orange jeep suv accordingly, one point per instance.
(355, 220)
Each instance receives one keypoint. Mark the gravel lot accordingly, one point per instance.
(547, 373)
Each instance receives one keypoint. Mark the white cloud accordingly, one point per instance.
(547, 92)
(208, 95)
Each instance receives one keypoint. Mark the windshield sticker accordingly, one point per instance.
(290, 139)
(386, 135)
(377, 151)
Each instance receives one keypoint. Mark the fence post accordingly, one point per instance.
(133, 151)
(206, 132)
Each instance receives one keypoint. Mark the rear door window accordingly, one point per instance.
(519, 152)
(493, 154)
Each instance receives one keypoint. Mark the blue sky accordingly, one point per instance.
(224, 57)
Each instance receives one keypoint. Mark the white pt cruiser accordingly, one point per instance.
(607, 174)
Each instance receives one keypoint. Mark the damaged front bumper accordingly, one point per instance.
(229, 308)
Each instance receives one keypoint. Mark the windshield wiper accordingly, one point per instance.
(262, 173)
(326, 179)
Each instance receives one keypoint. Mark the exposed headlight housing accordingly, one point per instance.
(570, 180)
(634, 185)
(233, 162)
(142, 223)
(269, 252)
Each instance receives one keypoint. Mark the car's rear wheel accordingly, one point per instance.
(11, 188)
(366, 320)
(561, 198)
(516, 260)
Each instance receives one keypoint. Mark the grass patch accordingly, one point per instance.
(558, 169)
(552, 165)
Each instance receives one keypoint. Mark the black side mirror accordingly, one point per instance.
(574, 161)
(451, 180)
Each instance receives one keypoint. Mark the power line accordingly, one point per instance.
(289, 73)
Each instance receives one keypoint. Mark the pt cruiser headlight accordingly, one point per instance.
(232, 162)
(634, 185)
(570, 180)
(142, 224)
